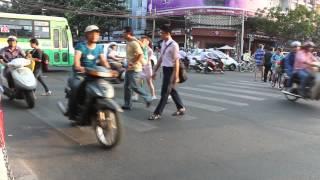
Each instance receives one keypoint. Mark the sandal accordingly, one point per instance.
(180, 112)
(154, 117)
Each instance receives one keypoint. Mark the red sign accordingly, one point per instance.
(4, 29)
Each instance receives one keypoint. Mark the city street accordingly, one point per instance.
(234, 129)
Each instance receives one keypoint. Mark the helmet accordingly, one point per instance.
(308, 44)
(91, 28)
(12, 38)
(296, 44)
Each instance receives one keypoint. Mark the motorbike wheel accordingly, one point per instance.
(107, 126)
(292, 98)
(232, 67)
(30, 98)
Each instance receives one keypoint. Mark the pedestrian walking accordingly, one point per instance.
(169, 60)
(147, 69)
(259, 56)
(136, 61)
(267, 64)
(37, 54)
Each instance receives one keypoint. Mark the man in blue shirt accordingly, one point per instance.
(87, 55)
(289, 61)
(259, 58)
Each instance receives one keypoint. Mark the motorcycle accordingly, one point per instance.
(96, 106)
(212, 64)
(23, 79)
(313, 87)
(199, 65)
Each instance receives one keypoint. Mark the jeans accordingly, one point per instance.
(38, 74)
(305, 78)
(166, 90)
(132, 82)
(267, 68)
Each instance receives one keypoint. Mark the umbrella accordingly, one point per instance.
(226, 47)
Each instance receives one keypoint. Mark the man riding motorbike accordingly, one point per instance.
(303, 66)
(86, 56)
(7, 54)
(289, 62)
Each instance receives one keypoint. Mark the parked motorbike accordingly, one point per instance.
(23, 79)
(96, 106)
(313, 87)
(198, 66)
(213, 64)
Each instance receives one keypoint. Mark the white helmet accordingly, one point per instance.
(12, 38)
(91, 28)
(309, 44)
(296, 44)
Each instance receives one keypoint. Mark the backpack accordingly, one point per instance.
(182, 73)
(45, 58)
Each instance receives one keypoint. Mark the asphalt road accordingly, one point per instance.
(235, 128)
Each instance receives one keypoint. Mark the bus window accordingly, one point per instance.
(41, 29)
(64, 39)
(19, 28)
(65, 57)
(56, 38)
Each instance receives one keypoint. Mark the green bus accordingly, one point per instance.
(53, 33)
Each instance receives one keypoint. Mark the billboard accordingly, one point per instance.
(171, 5)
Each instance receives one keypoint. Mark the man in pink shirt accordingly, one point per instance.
(303, 66)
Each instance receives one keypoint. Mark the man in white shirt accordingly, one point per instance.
(169, 60)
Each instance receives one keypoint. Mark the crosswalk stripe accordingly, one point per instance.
(203, 106)
(224, 93)
(249, 84)
(213, 99)
(186, 117)
(240, 91)
(243, 87)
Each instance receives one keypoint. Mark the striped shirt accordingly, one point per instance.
(259, 56)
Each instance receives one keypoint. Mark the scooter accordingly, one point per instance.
(23, 79)
(95, 105)
(199, 66)
(313, 87)
(213, 63)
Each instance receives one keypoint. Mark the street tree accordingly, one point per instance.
(77, 19)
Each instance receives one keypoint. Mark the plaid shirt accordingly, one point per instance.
(7, 54)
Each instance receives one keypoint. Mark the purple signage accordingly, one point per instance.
(169, 5)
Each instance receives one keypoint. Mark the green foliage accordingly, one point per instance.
(75, 17)
(300, 23)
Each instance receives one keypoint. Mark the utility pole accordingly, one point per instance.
(153, 13)
(242, 34)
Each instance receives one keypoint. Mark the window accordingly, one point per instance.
(65, 57)
(56, 57)
(41, 29)
(19, 28)
(56, 38)
(64, 39)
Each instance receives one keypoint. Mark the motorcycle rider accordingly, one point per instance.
(86, 56)
(289, 61)
(303, 66)
(115, 61)
(12, 51)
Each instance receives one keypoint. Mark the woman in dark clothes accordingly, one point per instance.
(37, 54)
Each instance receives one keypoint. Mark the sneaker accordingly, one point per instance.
(135, 98)
(48, 93)
(154, 97)
(154, 117)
